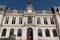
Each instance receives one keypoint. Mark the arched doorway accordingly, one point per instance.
(29, 34)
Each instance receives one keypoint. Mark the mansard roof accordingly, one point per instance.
(5, 9)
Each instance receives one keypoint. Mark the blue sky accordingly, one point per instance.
(37, 4)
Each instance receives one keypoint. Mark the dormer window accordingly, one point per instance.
(15, 11)
(43, 11)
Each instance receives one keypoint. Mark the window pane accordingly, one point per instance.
(38, 20)
(47, 33)
(39, 32)
(29, 20)
(4, 32)
(52, 20)
(12, 32)
(45, 21)
(54, 33)
(20, 20)
(6, 20)
(19, 32)
(13, 20)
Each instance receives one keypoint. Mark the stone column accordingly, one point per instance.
(35, 36)
(35, 20)
(24, 33)
(8, 32)
(48, 20)
(42, 21)
(43, 33)
(51, 33)
(17, 20)
(10, 20)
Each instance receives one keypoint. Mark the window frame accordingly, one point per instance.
(6, 20)
(47, 33)
(38, 20)
(13, 20)
(29, 20)
(45, 20)
(11, 32)
(52, 21)
(20, 20)
(4, 31)
(19, 33)
(55, 33)
(40, 32)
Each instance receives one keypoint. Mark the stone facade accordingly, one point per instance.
(53, 12)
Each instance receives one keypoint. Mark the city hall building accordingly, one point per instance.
(30, 24)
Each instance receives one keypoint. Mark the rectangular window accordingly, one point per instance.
(52, 20)
(38, 20)
(29, 20)
(6, 20)
(13, 20)
(20, 20)
(45, 21)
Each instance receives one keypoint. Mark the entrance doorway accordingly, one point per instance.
(29, 34)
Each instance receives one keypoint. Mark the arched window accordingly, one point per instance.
(29, 20)
(54, 33)
(39, 32)
(19, 32)
(47, 33)
(11, 32)
(4, 32)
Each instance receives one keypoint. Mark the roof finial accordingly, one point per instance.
(29, 2)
